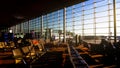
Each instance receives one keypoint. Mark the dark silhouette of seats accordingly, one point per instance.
(49, 59)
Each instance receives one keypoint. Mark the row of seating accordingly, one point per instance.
(35, 55)
(100, 55)
(22, 55)
(76, 59)
(26, 54)
(49, 59)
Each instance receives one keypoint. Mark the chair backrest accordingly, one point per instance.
(17, 52)
(12, 44)
(25, 49)
(19, 56)
(2, 44)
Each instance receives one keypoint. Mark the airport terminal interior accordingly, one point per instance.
(60, 34)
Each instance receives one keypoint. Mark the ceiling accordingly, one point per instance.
(15, 11)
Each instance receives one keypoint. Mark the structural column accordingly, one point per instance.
(28, 26)
(114, 11)
(41, 25)
(64, 24)
(22, 30)
(16, 29)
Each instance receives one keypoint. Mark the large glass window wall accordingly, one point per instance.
(92, 18)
